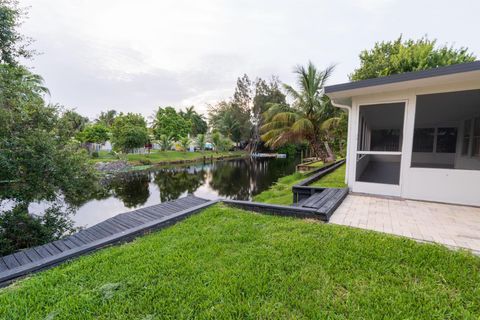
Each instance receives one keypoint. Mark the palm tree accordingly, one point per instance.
(107, 117)
(228, 125)
(185, 143)
(310, 117)
(189, 112)
(201, 142)
(165, 142)
(198, 122)
(216, 140)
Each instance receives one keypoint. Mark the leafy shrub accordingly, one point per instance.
(145, 161)
(95, 154)
(20, 230)
(288, 149)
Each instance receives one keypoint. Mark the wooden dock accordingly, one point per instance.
(324, 201)
(121, 228)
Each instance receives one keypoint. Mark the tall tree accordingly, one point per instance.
(94, 133)
(37, 162)
(309, 116)
(197, 121)
(107, 117)
(231, 121)
(265, 95)
(242, 96)
(398, 56)
(129, 131)
(72, 123)
(168, 122)
(13, 44)
(234, 118)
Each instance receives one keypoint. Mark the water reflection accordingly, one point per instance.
(239, 179)
(175, 182)
(132, 189)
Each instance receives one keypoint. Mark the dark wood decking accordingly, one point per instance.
(324, 201)
(308, 202)
(122, 227)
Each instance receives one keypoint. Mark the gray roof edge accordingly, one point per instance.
(407, 76)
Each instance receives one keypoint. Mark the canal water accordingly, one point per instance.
(238, 179)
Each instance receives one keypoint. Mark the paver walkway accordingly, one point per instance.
(451, 225)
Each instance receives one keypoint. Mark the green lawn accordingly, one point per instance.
(281, 191)
(335, 179)
(316, 164)
(157, 156)
(227, 263)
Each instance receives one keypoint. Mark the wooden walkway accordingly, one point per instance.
(120, 228)
(326, 201)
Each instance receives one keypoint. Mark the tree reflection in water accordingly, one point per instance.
(244, 178)
(176, 181)
(236, 179)
(132, 188)
(239, 179)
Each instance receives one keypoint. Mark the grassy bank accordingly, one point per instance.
(281, 191)
(227, 263)
(164, 157)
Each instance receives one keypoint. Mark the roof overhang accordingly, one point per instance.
(455, 73)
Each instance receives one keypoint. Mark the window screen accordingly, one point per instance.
(386, 140)
(466, 137)
(446, 140)
(423, 139)
(476, 138)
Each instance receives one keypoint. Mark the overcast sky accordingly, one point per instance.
(138, 55)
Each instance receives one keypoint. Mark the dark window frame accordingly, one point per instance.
(448, 147)
(433, 133)
(435, 139)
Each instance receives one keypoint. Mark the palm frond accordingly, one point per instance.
(302, 126)
(272, 126)
(330, 123)
(286, 118)
(272, 134)
(273, 109)
(325, 75)
(292, 92)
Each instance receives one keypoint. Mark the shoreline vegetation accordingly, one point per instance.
(281, 191)
(162, 158)
(230, 263)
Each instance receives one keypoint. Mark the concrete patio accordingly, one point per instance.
(451, 225)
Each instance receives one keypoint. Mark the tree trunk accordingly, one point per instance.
(316, 147)
(331, 155)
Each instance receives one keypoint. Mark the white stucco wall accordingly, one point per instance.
(443, 185)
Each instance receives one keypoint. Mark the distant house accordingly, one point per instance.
(415, 135)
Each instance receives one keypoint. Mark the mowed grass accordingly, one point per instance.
(157, 156)
(281, 191)
(335, 179)
(227, 263)
(316, 164)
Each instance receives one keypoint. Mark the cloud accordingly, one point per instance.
(137, 55)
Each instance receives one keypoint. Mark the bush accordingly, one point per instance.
(20, 230)
(95, 154)
(145, 161)
(288, 149)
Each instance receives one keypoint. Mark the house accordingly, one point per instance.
(415, 135)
